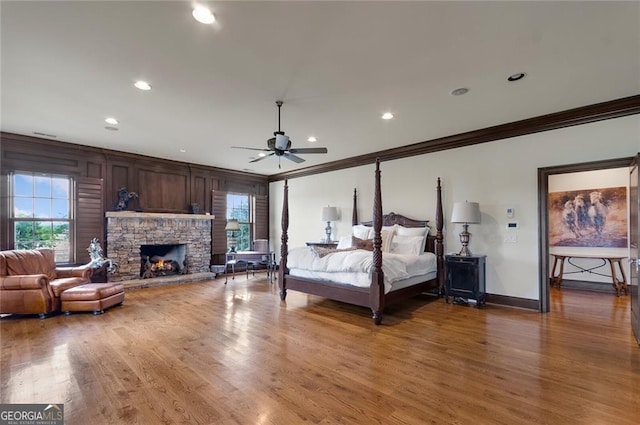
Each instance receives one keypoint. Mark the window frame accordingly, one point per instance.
(13, 220)
(248, 224)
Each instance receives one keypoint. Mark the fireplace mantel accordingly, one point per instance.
(133, 214)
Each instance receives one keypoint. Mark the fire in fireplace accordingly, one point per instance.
(162, 260)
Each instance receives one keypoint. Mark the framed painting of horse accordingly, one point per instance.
(589, 218)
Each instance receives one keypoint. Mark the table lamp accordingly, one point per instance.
(232, 227)
(329, 214)
(465, 213)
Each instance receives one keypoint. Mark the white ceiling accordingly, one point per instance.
(338, 66)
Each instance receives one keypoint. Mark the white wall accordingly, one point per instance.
(498, 175)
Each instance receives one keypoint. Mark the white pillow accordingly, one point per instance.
(415, 231)
(344, 242)
(412, 231)
(362, 232)
(407, 245)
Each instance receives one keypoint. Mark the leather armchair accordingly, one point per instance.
(30, 282)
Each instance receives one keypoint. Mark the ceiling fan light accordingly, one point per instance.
(282, 141)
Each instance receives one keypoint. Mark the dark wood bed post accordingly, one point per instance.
(354, 216)
(439, 248)
(376, 292)
(284, 248)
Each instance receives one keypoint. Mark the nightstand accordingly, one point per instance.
(333, 244)
(466, 278)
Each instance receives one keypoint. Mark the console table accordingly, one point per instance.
(619, 285)
(266, 257)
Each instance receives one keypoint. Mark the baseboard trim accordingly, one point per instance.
(514, 302)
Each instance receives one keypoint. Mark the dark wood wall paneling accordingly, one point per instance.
(162, 185)
(164, 190)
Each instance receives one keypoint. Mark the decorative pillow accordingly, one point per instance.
(362, 232)
(345, 242)
(391, 229)
(407, 245)
(358, 243)
(367, 244)
(387, 238)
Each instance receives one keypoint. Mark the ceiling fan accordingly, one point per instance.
(280, 146)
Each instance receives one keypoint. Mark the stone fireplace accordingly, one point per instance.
(130, 234)
(162, 260)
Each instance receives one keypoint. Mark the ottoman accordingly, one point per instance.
(95, 297)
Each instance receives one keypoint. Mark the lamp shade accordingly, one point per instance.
(329, 214)
(232, 224)
(466, 212)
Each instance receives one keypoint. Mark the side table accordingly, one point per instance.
(466, 278)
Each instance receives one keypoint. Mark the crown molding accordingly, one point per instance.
(583, 115)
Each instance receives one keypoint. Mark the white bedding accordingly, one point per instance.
(354, 267)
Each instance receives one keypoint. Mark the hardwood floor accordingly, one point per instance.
(206, 353)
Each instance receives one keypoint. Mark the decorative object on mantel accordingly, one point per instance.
(124, 197)
(195, 208)
(329, 214)
(97, 258)
(465, 213)
(232, 227)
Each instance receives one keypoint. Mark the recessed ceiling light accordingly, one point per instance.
(142, 85)
(110, 128)
(203, 15)
(460, 91)
(312, 139)
(262, 154)
(387, 116)
(517, 76)
(183, 150)
(111, 120)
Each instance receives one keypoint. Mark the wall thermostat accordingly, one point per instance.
(512, 225)
(510, 212)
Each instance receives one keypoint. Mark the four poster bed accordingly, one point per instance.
(397, 278)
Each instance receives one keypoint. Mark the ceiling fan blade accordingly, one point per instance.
(251, 149)
(293, 157)
(260, 158)
(309, 150)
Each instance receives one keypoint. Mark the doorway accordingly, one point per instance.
(543, 216)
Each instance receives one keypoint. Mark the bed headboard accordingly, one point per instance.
(393, 218)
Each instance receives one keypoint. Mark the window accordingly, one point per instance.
(41, 213)
(238, 207)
